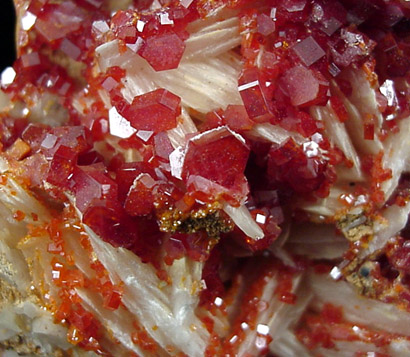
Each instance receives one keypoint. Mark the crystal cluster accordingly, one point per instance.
(227, 186)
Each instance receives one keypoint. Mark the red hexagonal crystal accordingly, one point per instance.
(304, 86)
(215, 163)
(154, 111)
(163, 52)
(265, 24)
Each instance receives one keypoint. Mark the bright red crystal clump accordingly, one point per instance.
(144, 177)
(289, 164)
(291, 52)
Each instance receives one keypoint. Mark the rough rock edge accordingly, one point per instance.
(22, 343)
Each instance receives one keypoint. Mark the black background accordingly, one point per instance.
(7, 24)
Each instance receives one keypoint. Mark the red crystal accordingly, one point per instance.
(293, 5)
(196, 245)
(70, 49)
(154, 111)
(330, 26)
(127, 173)
(57, 21)
(216, 157)
(10, 130)
(140, 198)
(339, 108)
(351, 47)
(332, 314)
(33, 135)
(304, 173)
(112, 226)
(174, 249)
(74, 137)
(163, 146)
(163, 52)
(265, 26)
(368, 127)
(89, 158)
(309, 51)
(236, 117)
(90, 4)
(31, 60)
(36, 169)
(252, 89)
(112, 296)
(56, 80)
(213, 120)
(211, 276)
(93, 187)
(400, 258)
(62, 167)
(123, 25)
(304, 86)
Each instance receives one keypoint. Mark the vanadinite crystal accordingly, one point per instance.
(154, 111)
(116, 113)
(214, 164)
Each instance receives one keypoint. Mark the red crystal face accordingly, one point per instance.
(265, 24)
(140, 199)
(303, 171)
(309, 51)
(62, 166)
(154, 111)
(304, 87)
(57, 21)
(127, 173)
(74, 137)
(236, 117)
(163, 52)
(92, 187)
(251, 87)
(215, 162)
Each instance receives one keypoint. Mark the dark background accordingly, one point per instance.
(7, 24)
